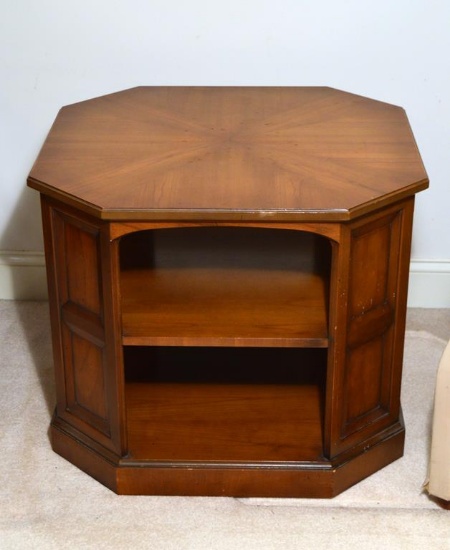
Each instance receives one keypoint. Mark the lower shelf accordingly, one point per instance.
(187, 422)
(227, 405)
(226, 422)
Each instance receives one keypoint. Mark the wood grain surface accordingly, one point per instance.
(257, 405)
(228, 273)
(222, 286)
(229, 153)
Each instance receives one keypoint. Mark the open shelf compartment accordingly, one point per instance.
(227, 405)
(225, 286)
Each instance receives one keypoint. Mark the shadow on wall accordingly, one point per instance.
(22, 266)
(23, 231)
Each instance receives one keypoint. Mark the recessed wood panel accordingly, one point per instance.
(82, 269)
(370, 269)
(89, 379)
(363, 382)
(83, 402)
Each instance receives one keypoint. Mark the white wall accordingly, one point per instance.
(53, 53)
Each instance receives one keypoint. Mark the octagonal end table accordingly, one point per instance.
(228, 271)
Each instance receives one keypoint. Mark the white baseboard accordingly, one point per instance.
(22, 277)
(429, 284)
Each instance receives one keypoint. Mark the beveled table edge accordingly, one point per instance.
(235, 215)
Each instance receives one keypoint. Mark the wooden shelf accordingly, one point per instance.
(208, 288)
(181, 410)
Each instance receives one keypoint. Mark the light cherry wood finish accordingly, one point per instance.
(209, 286)
(227, 275)
(229, 153)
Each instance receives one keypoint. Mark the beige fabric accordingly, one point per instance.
(439, 469)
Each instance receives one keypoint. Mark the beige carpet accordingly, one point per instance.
(46, 503)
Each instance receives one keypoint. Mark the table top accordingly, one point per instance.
(229, 153)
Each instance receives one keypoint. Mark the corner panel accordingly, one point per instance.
(85, 368)
(367, 362)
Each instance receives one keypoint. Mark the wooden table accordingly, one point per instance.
(228, 274)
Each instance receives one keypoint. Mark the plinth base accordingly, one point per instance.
(324, 479)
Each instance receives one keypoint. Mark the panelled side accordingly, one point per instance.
(367, 374)
(86, 382)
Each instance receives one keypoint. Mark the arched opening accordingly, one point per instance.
(222, 324)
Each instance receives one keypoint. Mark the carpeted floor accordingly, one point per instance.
(46, 503)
